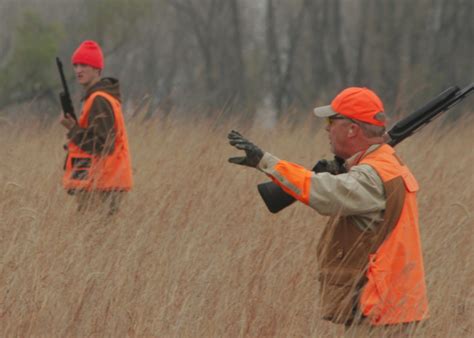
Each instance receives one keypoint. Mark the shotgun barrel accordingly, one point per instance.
(64, 96)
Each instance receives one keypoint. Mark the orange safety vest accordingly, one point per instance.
(395, 291)
(110, 172)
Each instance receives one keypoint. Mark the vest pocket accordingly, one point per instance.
(81, 162)
(80, 168)
(80, 175)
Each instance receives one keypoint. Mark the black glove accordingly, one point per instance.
(334, 167)
(253, 153)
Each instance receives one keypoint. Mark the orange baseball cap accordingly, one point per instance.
(355, 103)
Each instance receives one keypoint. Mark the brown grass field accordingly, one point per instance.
(194, 252)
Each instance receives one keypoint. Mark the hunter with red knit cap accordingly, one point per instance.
(97, 168)
(370, 264)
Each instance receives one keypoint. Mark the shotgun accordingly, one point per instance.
(277, 199)
(64, 96)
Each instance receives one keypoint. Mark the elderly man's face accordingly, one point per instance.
(339, 130)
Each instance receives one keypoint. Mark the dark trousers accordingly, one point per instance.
(107, 202)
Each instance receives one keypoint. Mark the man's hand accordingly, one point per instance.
(334, 167)
(68, 122)
(253, 153)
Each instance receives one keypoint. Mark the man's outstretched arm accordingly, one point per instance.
(357, 192)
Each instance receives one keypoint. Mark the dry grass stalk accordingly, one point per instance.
(193, 252)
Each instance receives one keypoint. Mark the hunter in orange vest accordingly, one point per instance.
(97, 169)
(369, 255)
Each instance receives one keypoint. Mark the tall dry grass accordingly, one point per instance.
(194, 252)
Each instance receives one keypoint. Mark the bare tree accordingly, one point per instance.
(281, 61)
(214, 55)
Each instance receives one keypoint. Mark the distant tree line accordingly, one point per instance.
(235, 56)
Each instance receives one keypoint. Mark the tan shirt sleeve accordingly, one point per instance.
(358, 193)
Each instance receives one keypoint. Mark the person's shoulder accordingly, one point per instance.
(366, 172)
(363, 168)
(101, 105)
(109, 86)
(100, 100)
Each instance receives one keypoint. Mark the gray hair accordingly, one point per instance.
(371, 130)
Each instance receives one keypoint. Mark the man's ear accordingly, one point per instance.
(351, 131)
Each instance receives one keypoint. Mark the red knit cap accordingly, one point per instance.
(88, 53)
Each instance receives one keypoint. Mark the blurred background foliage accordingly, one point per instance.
(29, 72)
(241, 58)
